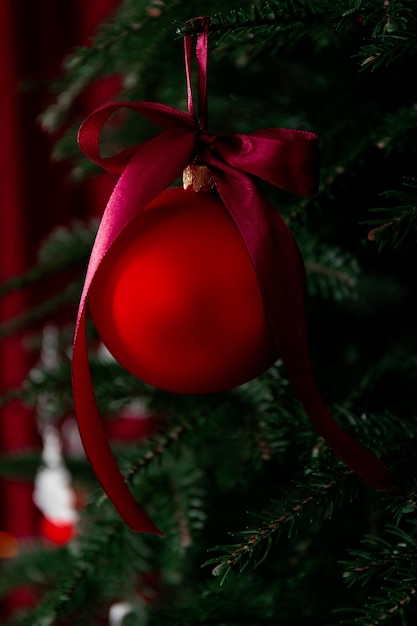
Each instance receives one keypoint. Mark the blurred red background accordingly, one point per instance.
(35, 195)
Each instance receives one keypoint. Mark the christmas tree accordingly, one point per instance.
(263, 522)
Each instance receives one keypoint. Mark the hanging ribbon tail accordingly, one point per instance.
(154, 166)
(281, 275)
(95, 441)
(292, 343)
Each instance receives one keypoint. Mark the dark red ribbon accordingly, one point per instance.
(285, 158)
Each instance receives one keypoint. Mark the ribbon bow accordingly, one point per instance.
(285, 158)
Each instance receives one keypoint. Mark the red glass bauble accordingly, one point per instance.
(176, 299)
(57, 531)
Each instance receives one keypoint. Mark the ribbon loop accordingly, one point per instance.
(89, 132)
(285, 158)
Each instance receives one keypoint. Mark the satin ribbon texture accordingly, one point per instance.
(286, 158)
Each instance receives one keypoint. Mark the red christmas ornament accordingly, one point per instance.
(57, 531)
(177, 301)
(177, 281)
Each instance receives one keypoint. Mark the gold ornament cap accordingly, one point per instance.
(197, 177)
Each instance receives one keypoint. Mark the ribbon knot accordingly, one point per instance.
(205, 140)
(286, 158)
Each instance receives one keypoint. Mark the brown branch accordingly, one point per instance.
(318, 268)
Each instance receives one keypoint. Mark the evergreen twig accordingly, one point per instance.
(316, 493)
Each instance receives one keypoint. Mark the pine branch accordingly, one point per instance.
(320, 492)
(332, 272)
(150, 457)
(400, 221)
(36, 557)
(157, 445)
(188, 498)
(389, 562)
(125, 41)
(388, 51)
(66, 247)
(268, 14)
(71, 584)
(397, 131)
(393, 36)
(42, 311)
(280, 425)
(241, 601)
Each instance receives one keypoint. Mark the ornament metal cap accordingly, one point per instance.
(197, 177)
